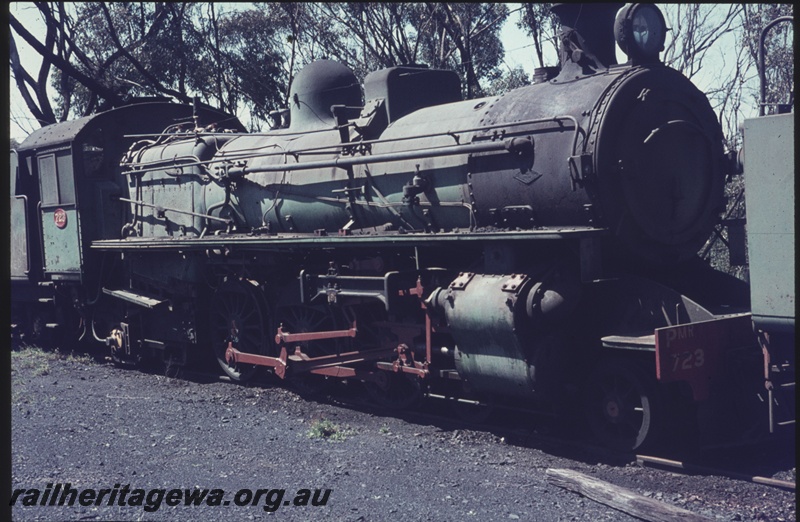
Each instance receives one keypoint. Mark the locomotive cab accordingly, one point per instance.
(60, 160)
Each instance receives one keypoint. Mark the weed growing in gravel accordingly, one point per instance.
(81, 358)
(325, 429)
(37, 360)
(384, 429)
(32, 358)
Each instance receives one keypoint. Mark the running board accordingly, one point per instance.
(137, 299)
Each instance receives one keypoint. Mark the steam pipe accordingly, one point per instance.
(397, 156)
(177, 211)
(516, 145)
(761, 61)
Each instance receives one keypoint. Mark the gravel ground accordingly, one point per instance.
(81, 421)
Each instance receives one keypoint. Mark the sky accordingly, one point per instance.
(28, 16)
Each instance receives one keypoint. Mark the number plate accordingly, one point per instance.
(691, 352)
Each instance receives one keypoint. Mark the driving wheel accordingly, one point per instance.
(238, 319)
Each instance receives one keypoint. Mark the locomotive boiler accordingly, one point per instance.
(536, 248)
(633, 149)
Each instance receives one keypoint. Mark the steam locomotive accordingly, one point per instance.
(535, 249)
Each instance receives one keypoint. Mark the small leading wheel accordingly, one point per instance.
(623, 408)
(238, 320)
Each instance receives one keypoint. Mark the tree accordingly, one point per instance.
(369, 36)
(512, 79)
(301, 34)
(116, 43)
(470, 32)
(56, 49)
(695, 30)
(376, 35)
(248, 65)
(97, 55)
(725, 37)
(543, 28)
(779, 52)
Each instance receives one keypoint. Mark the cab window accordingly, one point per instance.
(55, 174)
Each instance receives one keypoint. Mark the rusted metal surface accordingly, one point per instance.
(336, 365)
(234, 356)
(405, 359)
(299, 362)
(282, 337)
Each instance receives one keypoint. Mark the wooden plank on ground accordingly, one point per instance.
(620, 498)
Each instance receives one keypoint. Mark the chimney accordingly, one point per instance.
(595, 24)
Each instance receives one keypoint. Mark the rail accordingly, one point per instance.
(692, 468)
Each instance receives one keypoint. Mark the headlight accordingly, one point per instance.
(640, 31)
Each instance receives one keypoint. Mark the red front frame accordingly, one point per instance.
(692, 352)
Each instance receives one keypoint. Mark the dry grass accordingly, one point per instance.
(328, 430)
